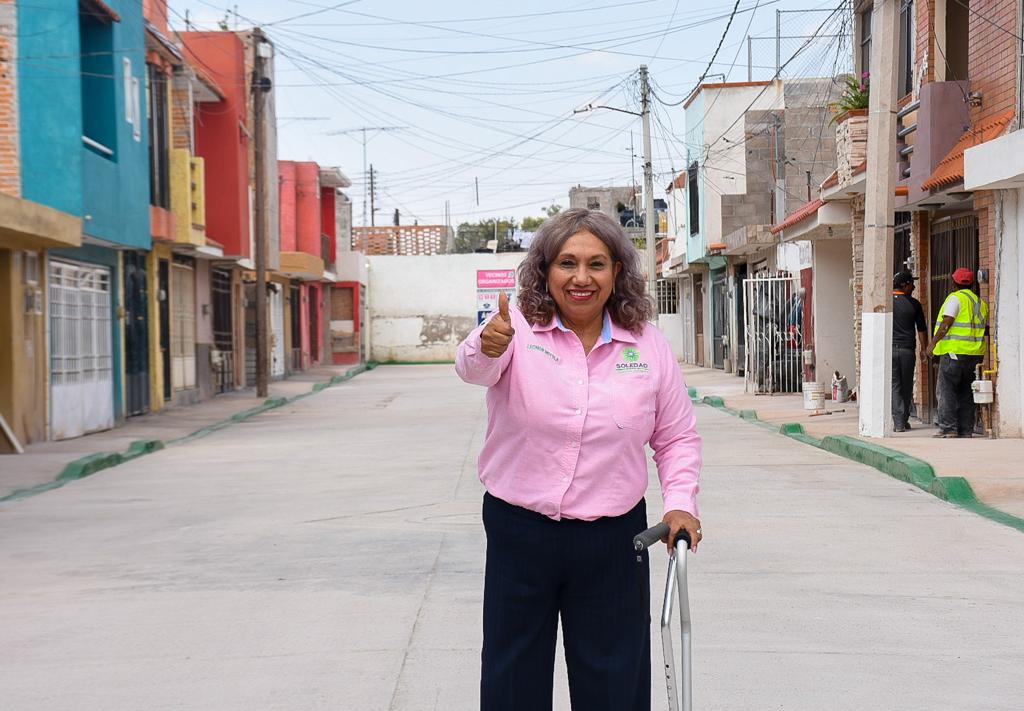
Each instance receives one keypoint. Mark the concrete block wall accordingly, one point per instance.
(10, 160)
(810, 138)
(754, 207)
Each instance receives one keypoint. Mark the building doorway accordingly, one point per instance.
(136, 334)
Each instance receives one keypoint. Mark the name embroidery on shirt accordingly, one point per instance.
(632, 363)
(545, 351)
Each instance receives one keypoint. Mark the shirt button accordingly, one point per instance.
(579, 411)
(580, 381)
(572, 444)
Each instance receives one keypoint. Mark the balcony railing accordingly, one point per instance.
(906, 130)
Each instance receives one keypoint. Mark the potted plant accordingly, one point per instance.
(851, 120)
(854, 99)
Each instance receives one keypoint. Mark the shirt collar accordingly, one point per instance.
(610, 331)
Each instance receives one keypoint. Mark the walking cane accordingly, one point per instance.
(680, 697)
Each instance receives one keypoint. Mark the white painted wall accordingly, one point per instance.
(422, 307)
(1010, 315)
(672, 326)
(833, 311)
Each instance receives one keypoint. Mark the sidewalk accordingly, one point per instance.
(43, 462)
(991, 466)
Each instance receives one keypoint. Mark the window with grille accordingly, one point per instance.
(668, 296)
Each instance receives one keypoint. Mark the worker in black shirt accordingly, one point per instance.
(907, 318)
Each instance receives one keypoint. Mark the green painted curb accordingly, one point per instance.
(954, 489)
(88, 465)
(416, 362)
(92, 463)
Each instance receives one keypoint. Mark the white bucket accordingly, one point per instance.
(814, 396)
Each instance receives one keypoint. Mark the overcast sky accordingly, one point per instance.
(486, 91)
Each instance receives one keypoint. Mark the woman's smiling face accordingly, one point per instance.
(581, 278)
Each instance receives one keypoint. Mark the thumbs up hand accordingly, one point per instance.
(498, 332)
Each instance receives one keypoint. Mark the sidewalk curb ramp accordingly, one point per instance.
(954, 489)
(92, 463)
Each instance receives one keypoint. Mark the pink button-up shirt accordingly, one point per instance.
(566, 430)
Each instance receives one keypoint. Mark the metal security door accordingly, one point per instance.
(954, 243)
(719, 321)
(773, 311)
(183, 327)
(276, 331)
(81, 347)
(223, 338)
(136, 334)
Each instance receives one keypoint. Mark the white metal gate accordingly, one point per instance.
(277, 332)
(183, 327)
(81, 348)
(773, 306)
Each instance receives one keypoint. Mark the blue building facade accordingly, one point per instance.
(84, 151)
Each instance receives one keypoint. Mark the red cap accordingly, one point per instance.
(963, 276)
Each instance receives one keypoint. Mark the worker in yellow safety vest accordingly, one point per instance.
(959, 342)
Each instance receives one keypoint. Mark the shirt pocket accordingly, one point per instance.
(633, 401)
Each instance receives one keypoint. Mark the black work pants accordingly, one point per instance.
(903, 360)
(956, 400)
(585, 572)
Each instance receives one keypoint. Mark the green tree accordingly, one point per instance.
(530, 224)
(470, 237)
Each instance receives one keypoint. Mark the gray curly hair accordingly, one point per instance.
(629, 305)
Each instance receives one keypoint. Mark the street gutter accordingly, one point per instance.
(99, 461)
(917, 472)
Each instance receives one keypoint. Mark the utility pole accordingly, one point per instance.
(874, 390)
(363, 130)
(645, 102)
(778, 44)
(373, 198)
(778, 151)
(497, 245)
(260, 86)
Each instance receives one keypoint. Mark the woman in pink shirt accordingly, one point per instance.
(578, 382)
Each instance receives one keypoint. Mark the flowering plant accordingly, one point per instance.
(854, 96)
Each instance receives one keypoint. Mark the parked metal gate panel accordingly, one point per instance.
(773, 314)
(81, 350)
(183, 327)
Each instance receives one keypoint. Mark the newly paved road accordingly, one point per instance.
(328, 555)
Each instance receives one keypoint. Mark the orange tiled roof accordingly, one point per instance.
(678, 184)
(831, 181)
(860, 168)
(801, 214)
(951, 168)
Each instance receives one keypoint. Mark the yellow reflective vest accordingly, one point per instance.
(967, 334)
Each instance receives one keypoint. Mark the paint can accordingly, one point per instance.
(814, 396)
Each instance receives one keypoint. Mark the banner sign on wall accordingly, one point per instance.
(490, 283)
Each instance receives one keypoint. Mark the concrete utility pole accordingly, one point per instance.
(874, 389)
(260, 86)
(373, 199)
(363, 130)
(645, 114)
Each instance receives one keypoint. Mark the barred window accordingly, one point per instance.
(668, 296)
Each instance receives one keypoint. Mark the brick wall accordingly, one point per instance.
(992, 56)
(181, 110)
(404, 240)
(810, 138)
(10, 162)
(925, 54)
(755, 206)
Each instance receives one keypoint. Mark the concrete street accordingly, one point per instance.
(329, 555)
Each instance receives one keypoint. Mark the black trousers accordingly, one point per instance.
(903, 360)
(956, 400)
(585, 572)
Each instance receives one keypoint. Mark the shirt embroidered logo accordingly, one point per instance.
(630, 355)
(545, 351)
